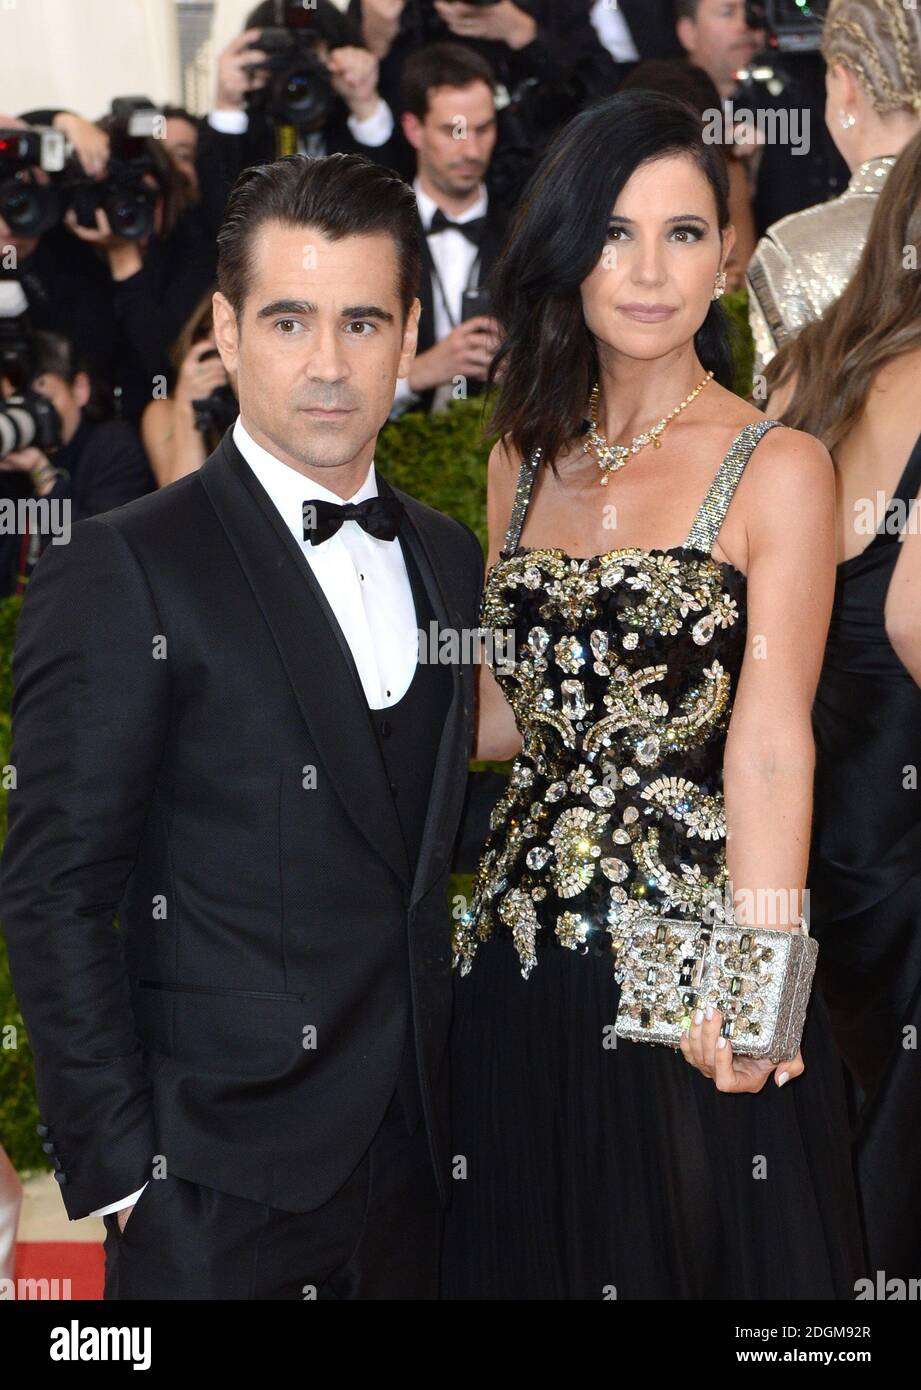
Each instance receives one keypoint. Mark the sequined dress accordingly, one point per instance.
(583, 1167)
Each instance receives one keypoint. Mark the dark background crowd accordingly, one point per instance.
(112, 382)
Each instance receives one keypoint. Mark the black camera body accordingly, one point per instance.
(790, 29)
(298, 91)
(127, 200)
(123, 195)
(217, 412)
(29, 209)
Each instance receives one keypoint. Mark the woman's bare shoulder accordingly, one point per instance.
(502, 474)
(789, 473)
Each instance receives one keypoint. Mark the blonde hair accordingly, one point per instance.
(879, 41)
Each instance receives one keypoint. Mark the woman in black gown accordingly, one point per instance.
(856, 375)
(637, 675)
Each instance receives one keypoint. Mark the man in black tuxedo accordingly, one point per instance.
(449, 119)
(227, 733)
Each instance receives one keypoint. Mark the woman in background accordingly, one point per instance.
(852, 379)
(872, 51)
(177, 435)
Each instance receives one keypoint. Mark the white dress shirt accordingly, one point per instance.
(365, 583)
(364, 578)
(454, 256)
(614, 32)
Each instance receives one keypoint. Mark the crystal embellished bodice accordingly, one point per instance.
(621, 670)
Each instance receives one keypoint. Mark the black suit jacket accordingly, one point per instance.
(177, 674)
(220, 158)
(652, 28)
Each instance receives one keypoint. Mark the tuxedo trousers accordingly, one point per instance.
(378, 1237)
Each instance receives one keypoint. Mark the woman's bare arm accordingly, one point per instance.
(497, 735)
(770, 753)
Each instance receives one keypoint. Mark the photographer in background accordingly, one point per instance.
(180, 432)
(763, 56)
(335, 103)
(181, 141)
(449, 119)
(123, 262)
(98, 465)
(544, 40)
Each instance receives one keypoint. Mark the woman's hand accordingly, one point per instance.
(197, 379)
(701, 1046)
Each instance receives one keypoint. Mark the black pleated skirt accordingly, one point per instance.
(586, 1171)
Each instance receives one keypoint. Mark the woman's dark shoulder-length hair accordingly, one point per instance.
(548, 361)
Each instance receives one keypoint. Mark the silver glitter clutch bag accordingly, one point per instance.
(759, 978)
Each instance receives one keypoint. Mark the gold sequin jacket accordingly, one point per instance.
(803, 262)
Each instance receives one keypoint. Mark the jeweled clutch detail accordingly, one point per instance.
(759, 978)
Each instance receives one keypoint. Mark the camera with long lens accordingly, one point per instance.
(127, 200)
(792, 27)
(26, 417)
(298, 90)
(217, 412)
(30, 208)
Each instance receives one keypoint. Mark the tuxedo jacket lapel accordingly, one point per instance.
(449, 779)
(319, 664)
(312, 648)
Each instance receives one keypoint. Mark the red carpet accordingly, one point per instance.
(82, 1262)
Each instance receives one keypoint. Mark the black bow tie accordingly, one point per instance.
(380, 517)
(472, 230)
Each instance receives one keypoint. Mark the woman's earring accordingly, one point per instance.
(848, 119)
(719, 287)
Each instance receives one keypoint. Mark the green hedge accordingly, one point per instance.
(442, 461)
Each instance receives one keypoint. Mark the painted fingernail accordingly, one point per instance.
(721, 1042)
(709, 1013)
(784, 1076)
(698, 1017)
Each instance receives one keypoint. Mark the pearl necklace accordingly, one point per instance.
(613, 456)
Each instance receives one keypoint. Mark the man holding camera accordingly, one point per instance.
(532, 40)
(114, 260)
(724, 37)
(317, 56)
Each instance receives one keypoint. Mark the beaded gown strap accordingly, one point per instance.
(713, 509)
(526, 475)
